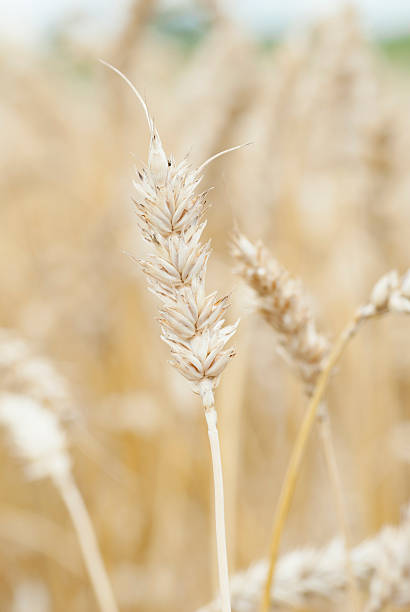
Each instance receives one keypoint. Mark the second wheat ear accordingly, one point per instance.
(38, 438)
(390, 294)
(170, 216)
(282, 301)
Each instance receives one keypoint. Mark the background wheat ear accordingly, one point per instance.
(170, 217)
(391, 294)
(38, 439)
(282, 301)
(311, 578)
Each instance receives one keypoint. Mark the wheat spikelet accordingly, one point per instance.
(312, 578)
(281, 301)
(391, 293)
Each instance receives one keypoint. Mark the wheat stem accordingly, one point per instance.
(309, 419)
(211, 419)
(88, 541)
(335, 482)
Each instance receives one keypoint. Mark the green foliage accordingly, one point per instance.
(187, 28)
(397, 50)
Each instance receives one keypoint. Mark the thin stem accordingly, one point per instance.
(288, 486)
(211, 419)
(335, 483)
(88, 541)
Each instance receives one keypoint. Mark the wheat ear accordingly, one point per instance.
(282, 302)
(170, 217)
(38, 438)
(25, 372)
(308, 577)
(390, 294)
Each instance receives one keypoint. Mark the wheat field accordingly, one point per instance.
(325, 186)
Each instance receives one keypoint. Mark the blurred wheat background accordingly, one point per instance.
(325, 184)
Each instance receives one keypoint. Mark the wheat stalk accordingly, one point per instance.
(40, 441)
(282, 302)
(170, 217)
(309, 577)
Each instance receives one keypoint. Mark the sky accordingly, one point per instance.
(383, 17)
(27, 20)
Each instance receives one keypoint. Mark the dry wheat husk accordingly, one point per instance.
(281, 300)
